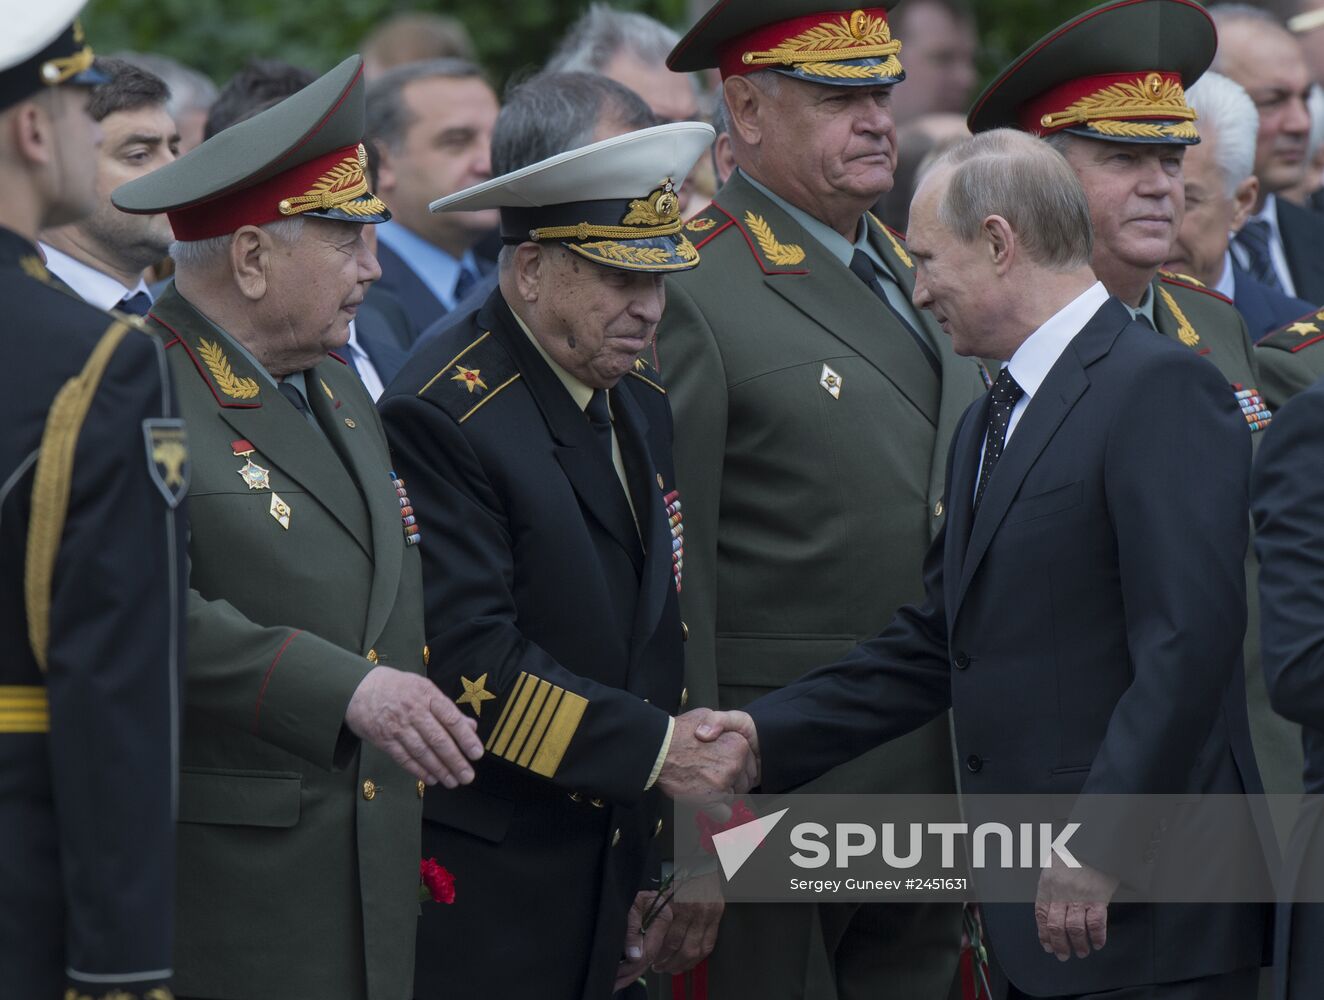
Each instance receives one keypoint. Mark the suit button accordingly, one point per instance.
(426, 654)
(421, 787)
(369, 789)
(372, 656)
(657, 830)
(961, 661)
(616, 837)
(595, 803)
(684, 632)
(684, 697)
(576, 797)
(938, 509)
(974, 763)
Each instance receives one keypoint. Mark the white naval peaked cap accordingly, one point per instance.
(614, 202)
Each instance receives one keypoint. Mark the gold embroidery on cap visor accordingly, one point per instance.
(1107, 111)
(57, 71)
(651, 226)
(820, 51)
(344, 187)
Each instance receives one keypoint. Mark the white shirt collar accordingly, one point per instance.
(1227, 284)
(93, 287)
(1269, 214)
(1039, 352)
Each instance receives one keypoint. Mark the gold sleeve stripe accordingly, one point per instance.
(540, 728)
(559, 733)
(23, 709)
(526, 723)
(505, 711)
(453, 361)
(519, 698)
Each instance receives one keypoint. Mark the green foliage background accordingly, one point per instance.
(218, 36)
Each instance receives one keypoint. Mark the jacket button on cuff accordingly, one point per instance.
(938, 509)
(684, 697)
(427, 653)
(974, 764)
(576, 796)
(421, 787)
(372, 656)
(369, 789)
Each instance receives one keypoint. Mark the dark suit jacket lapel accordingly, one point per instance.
(398, 278)
(632, 432)
(593, 478)
(1065, 384)
(830, 295)
(266, 419)
(335, 398)
(968, 445)
(1302, 232)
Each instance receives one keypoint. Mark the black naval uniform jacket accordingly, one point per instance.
(1084, 627)
(557, 623)
(89, 747)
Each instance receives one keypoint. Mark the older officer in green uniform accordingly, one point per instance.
(310, 731)
(1292, 358)
(1106, 89)
(814, 406)
(93, 471)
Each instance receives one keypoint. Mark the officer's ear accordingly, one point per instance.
(250, 249)
(744, 102)
(529, 269)
(29, 128)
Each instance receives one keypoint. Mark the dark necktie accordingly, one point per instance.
(1003, 397)
(294, 396)
(1254, 239)
(464, 283)
(599, 418)
(862, 267)
(136, 304)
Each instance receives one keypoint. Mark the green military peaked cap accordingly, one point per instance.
(806, 39)
(44, 47)
(1117, 72)
(304, 156)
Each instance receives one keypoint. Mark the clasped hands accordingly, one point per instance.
(712, 755)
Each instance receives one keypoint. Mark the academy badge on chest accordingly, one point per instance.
(254, 476)
(280, 510)
(675, 523)
(412, 535)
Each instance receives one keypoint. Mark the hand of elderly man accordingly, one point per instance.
(706, 770)
(407, 717)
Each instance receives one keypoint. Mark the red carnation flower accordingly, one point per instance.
(740, 815)
(438, 885)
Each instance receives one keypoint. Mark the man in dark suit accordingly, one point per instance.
(1083, 610)
(94, 467)
(1280, 243)
(541, 441)
(1287, 501)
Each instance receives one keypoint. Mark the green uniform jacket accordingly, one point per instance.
(1291, 359)
(1210, 324)
(811, 440)
(298, 845)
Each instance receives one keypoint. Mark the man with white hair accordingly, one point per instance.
(310, 730)
(1221, 191)
(632, 50)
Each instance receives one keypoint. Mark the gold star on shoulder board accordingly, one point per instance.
(1303, 328)
(475, 693)
(468, 377)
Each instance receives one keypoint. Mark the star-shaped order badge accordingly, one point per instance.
(475, 693)
(468, 377)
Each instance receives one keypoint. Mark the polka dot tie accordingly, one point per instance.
(1003, 398)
